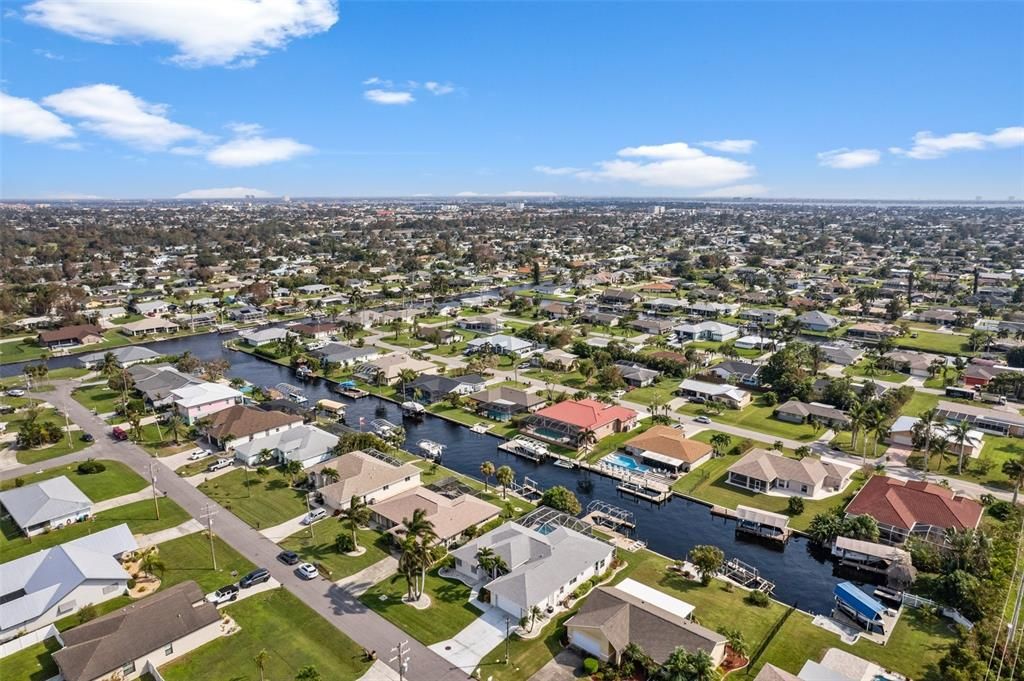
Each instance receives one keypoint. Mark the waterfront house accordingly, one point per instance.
(540, 569)
(723, 393)
(763, 471)
(872, 332)
(248, 313)
(346, 355)
(387, 368)
(428, 388)
(705, 331)
(844, 355)
(48, 585)
(239, 424)
(817, 321)
(315, 330)
(308, 445)
(499, 344)
(151, 307)
(501, 403)
(667, 447)
(69, 336)
(155, 382)
(199, 400)
(483, 324)
(613, 617)
(148, 326)
(571, 422)
(795, 411)
(124, 357)
(259, 337)
(45, 505)
(147, 634)
(914, 508)
(450, 516)
(370, 475)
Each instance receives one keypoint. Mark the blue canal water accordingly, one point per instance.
(803, 575)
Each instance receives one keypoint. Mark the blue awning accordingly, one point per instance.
(859, 601)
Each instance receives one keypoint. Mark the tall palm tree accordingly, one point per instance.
(505, 476)
(329, 475)
(422, 529)
(960, 434)
(261, 660)
(406, 376)
(292, 468)
(108, 366)
(535, 614)
(487, 470)
(356, 515)
(408, 565)
(720, 443)
(923, 430)
(151, 563)
(485, 558)
(174, 426)
(1014, 469)
(858, 413)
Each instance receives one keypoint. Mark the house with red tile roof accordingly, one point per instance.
(914, 508)
(579, 423)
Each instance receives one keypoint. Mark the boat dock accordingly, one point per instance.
(608, 516)
(745, 575)
(525, 447)
(349, 390)
(762, 524)
(646, 489)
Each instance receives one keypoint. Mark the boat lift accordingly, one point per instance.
(602, 513)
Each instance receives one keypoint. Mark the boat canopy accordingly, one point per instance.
(865, 605)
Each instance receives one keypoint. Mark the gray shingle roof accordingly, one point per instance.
(44, 501)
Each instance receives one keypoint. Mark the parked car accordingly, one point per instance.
(225, 594)
(257, 576)
(118, 433)
(218, 464)
(15, 392)
(698, 400)
(308, 571)
(87, 437)
(288, 557)
(702, 419)
(314, 515)
(618, 394)
(199, 454)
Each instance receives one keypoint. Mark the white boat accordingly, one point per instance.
(433, 449)
(411, 408)
(478, 428)
(562, 463)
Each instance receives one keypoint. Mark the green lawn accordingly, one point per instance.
(158, 441)
(469, 418)
(661, 391)
(117, 480)
(266, 502)
(843, 439)
(30, 456)
(613, 442)
(31, 664)
(938, 382)
(942, 343)
(921, 402)
(404, 340)
(571, 379)
(140, 517)
(757, 416)
(862, 370)
(987, 469)
(294, 635)
(489, 493)
(320, 549)
(448, 614)
(98, 397)
(189, 557)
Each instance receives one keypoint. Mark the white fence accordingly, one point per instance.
(29, 640)
(912, 601)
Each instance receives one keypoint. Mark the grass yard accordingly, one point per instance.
(445, 410)
(448, 614)
(404, 340)
(939, 382)
(264, 503)
(757, 416)
(987, 469)
(863, 370)
(921, 402)
(140, 517)
(613, 442)
(158, 441)
(97, 397)
(30, 456)
(320, 550)
(281, 624)
(660, 391)
(843, 441)
(189, 557)
(941, 343)
(489, 493)
(31, 664)
(570, 379)
(117, 480)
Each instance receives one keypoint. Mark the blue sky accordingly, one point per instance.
(812, 99)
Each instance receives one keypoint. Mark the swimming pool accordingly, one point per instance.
(627, 462)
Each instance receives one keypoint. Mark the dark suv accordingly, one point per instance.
(257, 576)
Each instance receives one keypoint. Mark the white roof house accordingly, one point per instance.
(203, 393)
(307, 444)
(41, 587)
(48, 503)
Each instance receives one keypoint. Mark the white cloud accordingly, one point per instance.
(205, 32)
(675, 164)
(24, 118)
(846, 159)
(527, 194)
(224, 193)
(46, 54)
(928, 146)
(389, 97)
(438, 88)
(245, 129)
(740, 190)
(118, 114)
(731, 146)
(563, 170)
(254, 151)
(468, 194)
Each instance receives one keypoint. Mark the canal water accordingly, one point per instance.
(803, 575)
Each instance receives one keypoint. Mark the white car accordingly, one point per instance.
(218, 464)
(702, 419)
(308, 571)
(199, 454)
(314, 515)
(225, 594)
(619, 394)
(15, 392)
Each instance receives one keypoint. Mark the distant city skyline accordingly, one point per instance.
(772, 100)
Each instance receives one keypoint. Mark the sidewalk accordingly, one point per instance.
(361, 581)
(143, 494)
(186, 528)
(278, 533)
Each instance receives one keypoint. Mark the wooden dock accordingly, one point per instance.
(352, 393)
(747, 576)
(648, 490)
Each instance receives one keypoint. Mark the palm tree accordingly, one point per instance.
(422, 529)
(587, 370)
(486, 470)
(703, 667)
(406, 376)
(923, 429)
(408, 565)
(108, 366)
(585, 439)
(151, 563)
(1014, 469)
(329, 475)
(858, 414)
(504, 475)
(261, 660)
(816, 356)
(485, 558)
(309, 673)
(293, 468)
(535, 614)
(960, 434)
(720, 443)
(174, 426)
(514, 358)
(356, 515)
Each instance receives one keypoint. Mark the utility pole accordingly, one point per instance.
(507, 622)
(67, 428)
(402, 656)
(156, 501)
(207, 515)
(309, 518)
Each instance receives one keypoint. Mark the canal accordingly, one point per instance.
(802, 575)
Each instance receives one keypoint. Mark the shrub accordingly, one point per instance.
(131, 583)
(770, 399)
(19, 482)
(795, 506)
(88, 612)
(343, 543)
(91, 466)
(590, 665)
(758, 598)
(1000, 510)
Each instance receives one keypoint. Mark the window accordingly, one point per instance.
(169, 650)
(128, 668)
(111, 588)
(65, 608)
(573, 580)
(386, 487)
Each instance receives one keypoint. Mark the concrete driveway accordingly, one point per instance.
(567, 666)
(468, 647)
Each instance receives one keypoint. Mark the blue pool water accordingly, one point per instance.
(627, 462)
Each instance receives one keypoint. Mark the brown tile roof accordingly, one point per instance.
(670, 442)
(449, 516)
(240, 421)
(94, 649)
(76, 332)
(904, 504)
